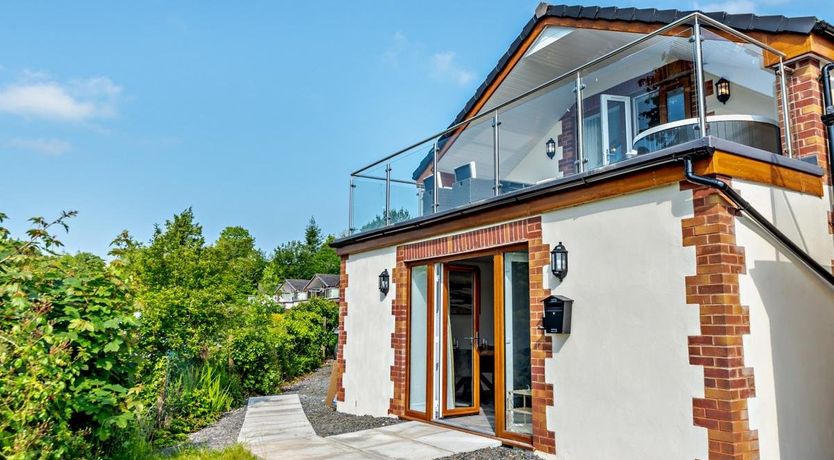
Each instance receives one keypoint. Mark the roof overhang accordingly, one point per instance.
(715, 155)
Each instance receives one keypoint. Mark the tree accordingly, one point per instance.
(312, 235)
(397, 215)
(189, 293)
(303, 259)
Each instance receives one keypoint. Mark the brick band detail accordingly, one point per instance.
(719, 349)
(343, 309)
(523, 231)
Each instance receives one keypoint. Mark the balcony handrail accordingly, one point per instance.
(490, 113)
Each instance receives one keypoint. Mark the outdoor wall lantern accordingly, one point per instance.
(722, 90)
(550, 148)
(559, 261)
(384, 282)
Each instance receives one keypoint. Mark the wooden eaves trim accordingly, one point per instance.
(719, 163)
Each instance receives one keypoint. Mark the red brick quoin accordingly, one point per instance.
(523, 231)
(715, 289)
(340, 356)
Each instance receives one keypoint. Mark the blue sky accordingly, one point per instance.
(253, 113)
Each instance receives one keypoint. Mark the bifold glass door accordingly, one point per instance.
(461, 384)
(420, 328)
(517, 372)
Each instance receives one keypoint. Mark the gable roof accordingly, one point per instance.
(325, 280)
(294, 284)
(742, 22)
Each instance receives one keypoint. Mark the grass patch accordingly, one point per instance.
(236, 452)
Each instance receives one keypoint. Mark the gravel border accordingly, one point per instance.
(222, 433)
(502, 452)
(312, 391)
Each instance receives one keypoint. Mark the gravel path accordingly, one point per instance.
(312, 390)
(494, 453)
(222, 433)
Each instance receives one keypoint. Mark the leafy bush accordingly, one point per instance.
(329, 312)
(114, 360)
(256, 352)
(66, 349)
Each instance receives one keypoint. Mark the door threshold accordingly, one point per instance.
(441, 423)
(453, 423)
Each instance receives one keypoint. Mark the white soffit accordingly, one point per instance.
(549, 35)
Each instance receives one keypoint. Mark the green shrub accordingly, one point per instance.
(256, 353)
(66, 350)
(329, 311)
(188, 397)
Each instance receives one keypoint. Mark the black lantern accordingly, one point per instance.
(559, 261)
(550, 148)
(384, 280)
(722, 90)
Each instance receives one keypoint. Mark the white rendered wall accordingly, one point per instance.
(622, 382)
(368, 325)
(791, 341)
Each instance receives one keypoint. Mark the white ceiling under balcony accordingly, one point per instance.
(558, 51)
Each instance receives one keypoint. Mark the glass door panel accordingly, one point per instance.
(616, 127)
(461, 342)
(419, 331)
(518, 382)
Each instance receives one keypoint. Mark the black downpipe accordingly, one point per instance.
(728, 191)
(828, 115)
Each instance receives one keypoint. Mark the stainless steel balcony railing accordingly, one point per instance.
(692, 78)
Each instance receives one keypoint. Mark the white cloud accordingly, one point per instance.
(36, 95)
(52, 147)
(444, 67)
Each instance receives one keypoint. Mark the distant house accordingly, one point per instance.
(294, 291)
(323, 285)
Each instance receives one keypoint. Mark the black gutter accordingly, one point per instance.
(745, 206)
(828, 116)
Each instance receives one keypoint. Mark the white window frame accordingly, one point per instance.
(603, 110)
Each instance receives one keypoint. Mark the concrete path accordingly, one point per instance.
(275, 427)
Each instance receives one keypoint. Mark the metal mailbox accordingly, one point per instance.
(557, 314)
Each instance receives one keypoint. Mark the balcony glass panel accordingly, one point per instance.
(741, 89)
(368, 199)
(648, 85)
(641, 99)
(525, 129)
(466, 165)
(408, 172)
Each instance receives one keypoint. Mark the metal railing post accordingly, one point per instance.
(436, 182)
(580, 134)
(786, 108)
(350, 206)
(699, 78)
(387, 193)
(495, 124)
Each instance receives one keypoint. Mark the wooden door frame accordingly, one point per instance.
(498, 320)
(500, 342)
(476, 365)
(430, 281)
